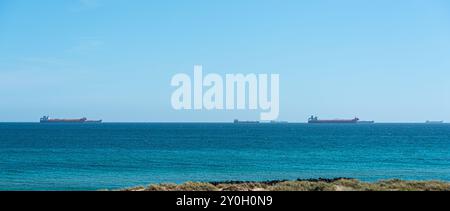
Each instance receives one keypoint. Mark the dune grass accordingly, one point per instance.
(340, 184)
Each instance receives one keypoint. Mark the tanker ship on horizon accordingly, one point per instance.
(316, 120)
(46, 119)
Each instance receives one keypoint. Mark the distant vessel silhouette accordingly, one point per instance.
(46, 119)
(237, 121)
(279, 122)
(316, 120)
(366, 122)
(434, 122)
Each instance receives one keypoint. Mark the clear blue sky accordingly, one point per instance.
(113, 59)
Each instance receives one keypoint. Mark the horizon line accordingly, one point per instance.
(223, 122)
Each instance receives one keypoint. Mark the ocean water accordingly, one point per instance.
(112, 156)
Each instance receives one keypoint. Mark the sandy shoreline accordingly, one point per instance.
(339, 184)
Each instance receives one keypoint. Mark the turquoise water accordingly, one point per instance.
(110, 156)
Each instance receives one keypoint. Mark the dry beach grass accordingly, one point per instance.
(341, 184)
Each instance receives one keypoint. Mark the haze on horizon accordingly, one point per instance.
(383, 60)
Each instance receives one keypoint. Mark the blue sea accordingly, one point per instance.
(114, 156)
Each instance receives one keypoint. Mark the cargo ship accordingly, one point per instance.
(279, 122)
(366, 122)
(46, 119)
(237, 121)
(316, 120)
(434, 122)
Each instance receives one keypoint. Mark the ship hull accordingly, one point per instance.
(47, 120)
(315, 120)
(70, 122)
(334, 122)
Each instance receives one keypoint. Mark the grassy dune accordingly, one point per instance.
(341, 184)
